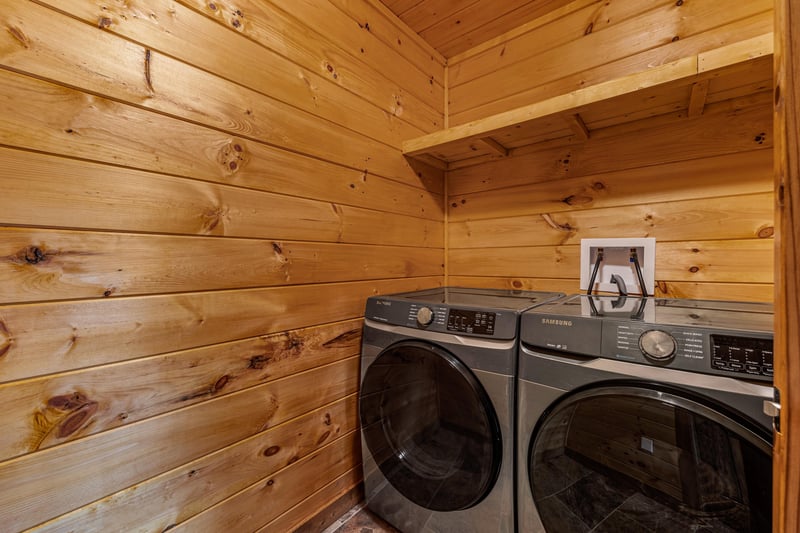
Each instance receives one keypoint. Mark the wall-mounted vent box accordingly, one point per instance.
(617, 260)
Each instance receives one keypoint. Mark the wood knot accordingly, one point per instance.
(517, 284)
(662, 287)
(33, 255)
(760, 138)
(322, 438)
(258, 362)
(327, 419)
(20, 36)
(76, 420)
(104, 23)
(272, 450)
(577, 200)
(6, 340)
(766, 232)
(589, 28)
(220, 383)
(694, 269)
(233, 156)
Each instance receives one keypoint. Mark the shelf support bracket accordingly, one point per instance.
(578, 126)
(697, 101)
(495, 146)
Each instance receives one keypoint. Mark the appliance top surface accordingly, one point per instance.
(745, 316)
(499, 299)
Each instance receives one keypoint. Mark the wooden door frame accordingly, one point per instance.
(786, 464)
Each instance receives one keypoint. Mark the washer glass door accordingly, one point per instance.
(647, 458)
(430, 426)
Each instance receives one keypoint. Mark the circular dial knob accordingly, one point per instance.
(424, 316)
(657, 344)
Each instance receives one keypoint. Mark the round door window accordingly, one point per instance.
(430, 426)
(631, 458)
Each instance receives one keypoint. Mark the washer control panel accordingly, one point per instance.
(467, 321)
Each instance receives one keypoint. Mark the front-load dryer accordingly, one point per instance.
(437, 407)
(644, 414)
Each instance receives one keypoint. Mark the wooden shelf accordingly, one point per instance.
(689, 84)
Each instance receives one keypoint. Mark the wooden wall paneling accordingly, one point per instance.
(41, 189)
(34, 484)
(246, 511)
(743, 124)
(287, 82)
(630, 36)
(518, 283)
(786, 463)
(747, 292)
(41, 265)
(210, 479)
(480, 97)
(373, 17)
(574, 20)
(735, 217)
(750, 292)
(701, 178)
(58, 408)
(39, 193)
(73, 118)
(56, 337)
(296, 518)
(67, 122)
(296, 39)
(733, 261)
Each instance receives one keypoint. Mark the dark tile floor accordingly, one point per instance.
(359, 519)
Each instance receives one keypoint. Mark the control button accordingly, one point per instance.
(658, 345)
(753, 369)
(424, 316)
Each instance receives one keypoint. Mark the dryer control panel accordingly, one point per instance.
(694, 349)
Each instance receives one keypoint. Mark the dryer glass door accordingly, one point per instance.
(631, 458)
(430, 426)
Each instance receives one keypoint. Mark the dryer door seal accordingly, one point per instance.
(430, 426)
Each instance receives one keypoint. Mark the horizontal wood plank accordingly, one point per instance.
(727, 261)
(64, 121)
(34, 484)
(649, 33)
(746, 292)
(55, 337)
(542, 35)
(58, 408)
(340, 494)
(729, 114)
(48, 191)
(739, 174)
(39, 265)
(221, 102)
(731, 217)
(228, 471)
(374, 18)
(245, 511)
(291, 34)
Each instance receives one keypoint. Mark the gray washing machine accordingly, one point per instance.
(437, 407)
(645, 414)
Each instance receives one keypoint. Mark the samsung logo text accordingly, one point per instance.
(556, 322)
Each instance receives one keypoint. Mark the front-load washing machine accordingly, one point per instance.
(436, 407)
(644, 414)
